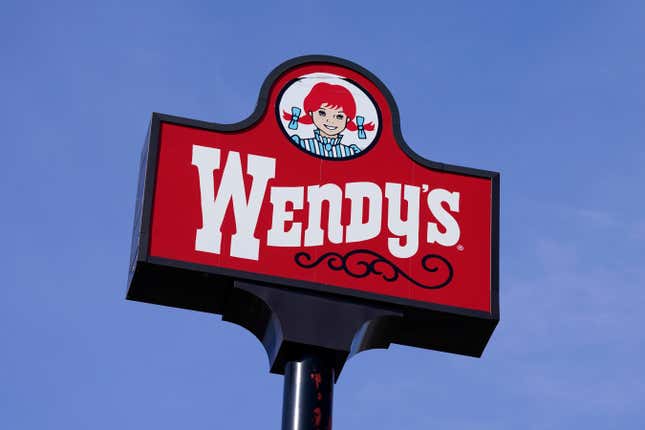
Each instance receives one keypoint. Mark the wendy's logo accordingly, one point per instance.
(328, 116)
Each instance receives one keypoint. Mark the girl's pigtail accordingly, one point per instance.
(295, 117)
(360, 126)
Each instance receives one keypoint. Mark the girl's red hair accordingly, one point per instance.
(334, 97)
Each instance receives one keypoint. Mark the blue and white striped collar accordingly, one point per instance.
(325, 140)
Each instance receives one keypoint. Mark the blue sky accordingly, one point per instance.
(551, 94)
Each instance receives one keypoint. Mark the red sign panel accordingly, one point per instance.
(318, 190)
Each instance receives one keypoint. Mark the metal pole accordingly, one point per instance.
(308, 394)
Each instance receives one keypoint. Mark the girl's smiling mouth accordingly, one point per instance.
(330, 127)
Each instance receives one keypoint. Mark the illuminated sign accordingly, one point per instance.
(317, 191)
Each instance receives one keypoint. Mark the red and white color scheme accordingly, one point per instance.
(317, 190)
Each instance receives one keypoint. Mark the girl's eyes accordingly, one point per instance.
(323, 114)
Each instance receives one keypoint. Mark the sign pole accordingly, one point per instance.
(308, 394)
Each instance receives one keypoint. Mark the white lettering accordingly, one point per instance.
(362, 210)
(358, 193)
(435, 199)
(277, 236)
(232, 188)
(209, 237)
(333, 195)
(408, 229)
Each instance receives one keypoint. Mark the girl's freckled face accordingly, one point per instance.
(329, 121)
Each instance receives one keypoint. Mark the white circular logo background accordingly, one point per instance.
(295, 93)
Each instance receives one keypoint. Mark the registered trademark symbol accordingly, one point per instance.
(460, 247)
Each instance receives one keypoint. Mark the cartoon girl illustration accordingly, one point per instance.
(332, 109)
